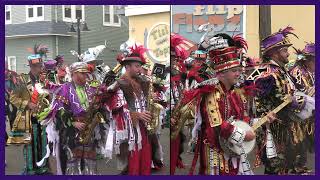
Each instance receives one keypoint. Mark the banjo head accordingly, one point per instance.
(233, 149)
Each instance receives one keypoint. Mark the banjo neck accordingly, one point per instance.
(264, 119)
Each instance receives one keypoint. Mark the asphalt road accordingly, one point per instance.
(14, 159)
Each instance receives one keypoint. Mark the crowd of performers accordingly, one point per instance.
(233, 105)
(66, 117)
(234, 101)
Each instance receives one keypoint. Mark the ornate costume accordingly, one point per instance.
(74, 103)
(274, 83)
(216, 109)
(177, 56)
(305, 79)
(303, 76)
(25, 128)
(54, 70)
(96, 66)
(131, 141)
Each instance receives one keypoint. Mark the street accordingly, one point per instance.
(15, 163)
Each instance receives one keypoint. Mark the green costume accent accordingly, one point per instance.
(82, 96)
(26, 129)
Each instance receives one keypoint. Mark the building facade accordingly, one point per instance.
(50, 25)
(245, 19)
(149, 25)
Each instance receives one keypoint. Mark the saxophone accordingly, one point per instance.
(86, 134)
(93, 116)
(155, 109)
(42, 104)
(182, 113)
(40, 98)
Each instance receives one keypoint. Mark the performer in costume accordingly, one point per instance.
(54, 70)
(274, 83)
(26, 98)
(177, 56)
(96, 65)
(197, 72)
(10, 109)
(130, 115)
(304, 75)
(53, 74)
(216, 105)
(10, 83)
(75, 106)
(304, 69)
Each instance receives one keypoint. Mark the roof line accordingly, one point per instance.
(29, 35)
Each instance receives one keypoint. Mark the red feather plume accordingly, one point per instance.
(175, 43)
(194, 72)
(138, 51)
(240, 42)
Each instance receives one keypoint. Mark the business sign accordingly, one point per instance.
(222, 18)
(157, 40)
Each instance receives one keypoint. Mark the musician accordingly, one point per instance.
(177, 57)
(49, 72)
(60, 69)
(10, 83)
(26, 129)
(274, 83)
(304, 69)
(130, 115)
(200, 57)
(71, 109)
(95, 65)
(217, 106)
(304, 74)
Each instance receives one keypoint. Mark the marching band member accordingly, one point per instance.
(274, 84)
(304, 74)
(26, 130)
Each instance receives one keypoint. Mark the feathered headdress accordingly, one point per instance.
(240, 42)
(136, 54)
(178, 46)
(309, 50)
(299, 54)
(187, 73)
(40, 49)
(277, 40)
(226, 52)
(39, 52)
(286, 31)
(59, 59)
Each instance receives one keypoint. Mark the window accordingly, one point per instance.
(12, 63)
(8, 14)
(34, 13)
(70, 13)
(110, 17)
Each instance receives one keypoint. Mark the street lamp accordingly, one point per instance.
(84, 28)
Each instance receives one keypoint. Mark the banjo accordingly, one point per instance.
(235, 150)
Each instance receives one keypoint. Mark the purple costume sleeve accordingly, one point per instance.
(58, 101)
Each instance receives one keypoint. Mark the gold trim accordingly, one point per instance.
(214, 116)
